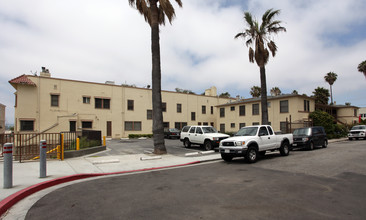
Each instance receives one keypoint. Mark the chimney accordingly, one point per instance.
(45, 72)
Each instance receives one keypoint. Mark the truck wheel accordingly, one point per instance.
(311, 146)
(207, 145)
(187, 143)
(226, 157)
(251, 155)
(325, 144)
(285, 149)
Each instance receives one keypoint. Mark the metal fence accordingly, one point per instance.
(292, 125)
(26, 145)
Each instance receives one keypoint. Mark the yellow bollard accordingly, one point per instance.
(77, 144)
(104, 141)
(62, 146)
(58, 152)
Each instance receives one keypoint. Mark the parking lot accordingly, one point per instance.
(326, 183)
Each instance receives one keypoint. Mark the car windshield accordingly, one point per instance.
(247, 131)
(173, 130)
(359, 127)
(209, 130)
(302, 131)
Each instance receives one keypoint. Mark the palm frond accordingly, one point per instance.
(240, 35)
(249, 19)
(251, 55)
(167, 8)
(179, 2)
(272, 47)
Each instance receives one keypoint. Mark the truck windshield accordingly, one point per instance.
(302, 131)
(209, 130)
(359, 127)
(247, 131)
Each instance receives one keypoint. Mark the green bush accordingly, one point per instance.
(333, 130)
(140, 135)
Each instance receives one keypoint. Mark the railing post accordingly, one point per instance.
(8, 165)
(42, 159)
(77, 144)
(104, 144)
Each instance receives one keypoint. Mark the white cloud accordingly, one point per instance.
(108, 40)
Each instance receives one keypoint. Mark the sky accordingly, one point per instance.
(98, 41)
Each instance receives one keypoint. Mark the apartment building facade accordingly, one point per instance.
(232, 116)
(46, 104)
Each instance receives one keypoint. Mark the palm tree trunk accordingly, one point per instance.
(264, 106)
(158, 128)
(331, 95)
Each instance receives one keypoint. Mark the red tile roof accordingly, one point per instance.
(23, 79)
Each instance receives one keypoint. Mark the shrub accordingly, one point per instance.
(327, 121)
(140, 135)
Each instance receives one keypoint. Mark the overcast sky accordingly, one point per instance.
(98, 41)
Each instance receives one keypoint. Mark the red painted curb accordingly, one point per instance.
(11, 200)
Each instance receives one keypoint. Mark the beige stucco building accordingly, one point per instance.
(232, 116)
(47, 104)
(2, 118)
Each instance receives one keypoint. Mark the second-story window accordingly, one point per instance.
(242, 110)
(306, 105)
(55, 100)
(222, 112)
(86, 100)
(193, 116)
(203, 109)
(255, 109)
(284, 106)
(179, 108)
(130, 105)
(102, 103)
(149, 114)
(163, 107)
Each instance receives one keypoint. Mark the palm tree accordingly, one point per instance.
(295, 92)
(255, 91)
(154, 12)
(330, 78)
(260, 36)
(321, 96)
(275, 91)
(362, 67)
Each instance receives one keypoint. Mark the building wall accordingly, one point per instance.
(34, 103)
(275, 117)
(2, 119)
(348, 115)
(362, 112)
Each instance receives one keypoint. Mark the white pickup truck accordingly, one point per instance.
(206, 136)
(250, 141)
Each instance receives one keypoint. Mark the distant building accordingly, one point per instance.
(343, 114)
(362, 113)
(2, 119)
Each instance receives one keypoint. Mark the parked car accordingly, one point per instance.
(171, 133)
(310, 137)
(250, 141)
(206, 136)
(357, 131)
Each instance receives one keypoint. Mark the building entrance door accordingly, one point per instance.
(109, 128)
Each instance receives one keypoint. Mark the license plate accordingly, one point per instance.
(227, 151)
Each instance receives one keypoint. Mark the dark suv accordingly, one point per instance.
(310, 137)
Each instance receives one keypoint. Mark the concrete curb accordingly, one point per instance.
(11, 200)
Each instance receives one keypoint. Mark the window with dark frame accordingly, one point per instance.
(222, 112)
(130, 105)
(242, 110)
(193, 116)
(180, 125)
(306, 106)
(255, 109)
(101, 103)
(211, 110)
(163, 107)
(241, 125)
(284, 106)
(222, 128)
(55, 100)
(86, 124)
(232, 125)
(149, 114)
(232, 108)
(179, 108)
(86, 99)
(133, 125)
(203, 109)
(26, 125)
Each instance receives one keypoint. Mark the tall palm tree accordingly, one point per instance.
(330, 78)
(362, 67)
(255, 91)
(321, 95)
(259, 35)
(154, 12)
(275, 91)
